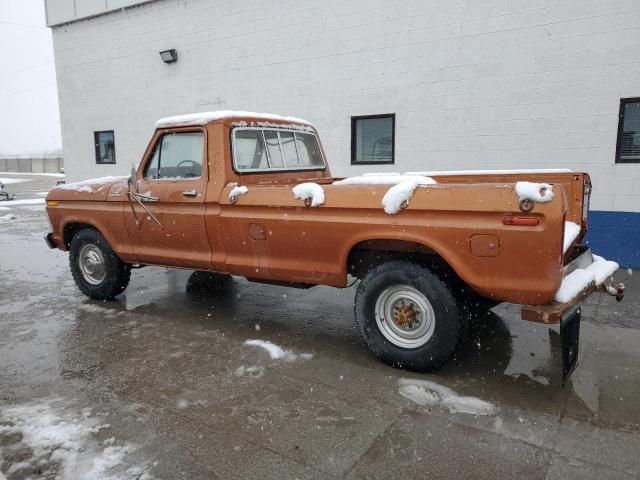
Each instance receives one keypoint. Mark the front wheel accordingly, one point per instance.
(96, 269)
(408, 316)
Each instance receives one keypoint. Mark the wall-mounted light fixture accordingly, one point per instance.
(169, 56)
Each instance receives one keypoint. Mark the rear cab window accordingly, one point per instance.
(273, 149)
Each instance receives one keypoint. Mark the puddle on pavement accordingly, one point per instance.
(505, 360)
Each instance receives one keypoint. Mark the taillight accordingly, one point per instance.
(586, 198)
(521, 221)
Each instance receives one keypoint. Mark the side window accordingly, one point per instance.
(151, 170)
(177, 156)
(249, 149)
(271, 149)
(308, 150)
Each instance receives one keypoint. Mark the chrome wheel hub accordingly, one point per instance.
(405, 316)
(92, 265)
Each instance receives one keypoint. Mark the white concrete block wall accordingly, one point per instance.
(491, 84)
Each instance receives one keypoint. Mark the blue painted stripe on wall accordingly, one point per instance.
(615, 236)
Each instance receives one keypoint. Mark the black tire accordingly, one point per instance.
(449, 323)
(116, 272)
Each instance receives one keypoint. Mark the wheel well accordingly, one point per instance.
(70, 229)
(366, 255)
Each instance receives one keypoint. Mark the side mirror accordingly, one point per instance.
(132, 179)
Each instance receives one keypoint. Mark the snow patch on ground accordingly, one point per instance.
(62, 446)
(580, 278)
(571, 232)
(278, 353)
(59, 175)
(534, 192)
(253, 371)
(9, 181)
(309, 190)
(431, 394)
(7, 218)
(236, 191)
(26, 201)
(385, 179)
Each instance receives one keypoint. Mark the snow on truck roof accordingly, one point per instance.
(203, 118)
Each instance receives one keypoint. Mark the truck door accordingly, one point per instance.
(165, 217)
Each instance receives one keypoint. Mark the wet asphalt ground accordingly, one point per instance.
(160, 384)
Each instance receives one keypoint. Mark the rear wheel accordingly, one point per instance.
(96, 269)
(408, 316)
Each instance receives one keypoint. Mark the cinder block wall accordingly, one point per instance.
(491, 84)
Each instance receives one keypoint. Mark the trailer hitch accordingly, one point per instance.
(615, 290)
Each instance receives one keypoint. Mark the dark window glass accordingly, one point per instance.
(372, 139)
(628, 150)
(177, 156)
(105, 146)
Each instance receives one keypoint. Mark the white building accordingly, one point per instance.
(492, 84)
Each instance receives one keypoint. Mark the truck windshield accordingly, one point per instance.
(259, 149)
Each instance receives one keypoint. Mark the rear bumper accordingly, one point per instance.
(553, 312)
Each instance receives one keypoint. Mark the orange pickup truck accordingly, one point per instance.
(250, 194)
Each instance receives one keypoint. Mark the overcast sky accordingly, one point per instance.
(29, 118)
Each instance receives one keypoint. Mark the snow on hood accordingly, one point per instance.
(85, 188)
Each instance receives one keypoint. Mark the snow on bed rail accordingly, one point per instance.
(580, 278)
(309, 190)
(431, 394)
(384, 179)
(571, 232)
(524, 171)
(534, 192)
(203, 118)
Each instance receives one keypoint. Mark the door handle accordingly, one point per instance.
(190, 193)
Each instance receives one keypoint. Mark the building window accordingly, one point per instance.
(373, 139)
(628, 148)
(105, 147)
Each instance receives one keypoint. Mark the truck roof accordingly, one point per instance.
(203, 118)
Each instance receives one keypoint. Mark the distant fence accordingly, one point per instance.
(42, 164)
